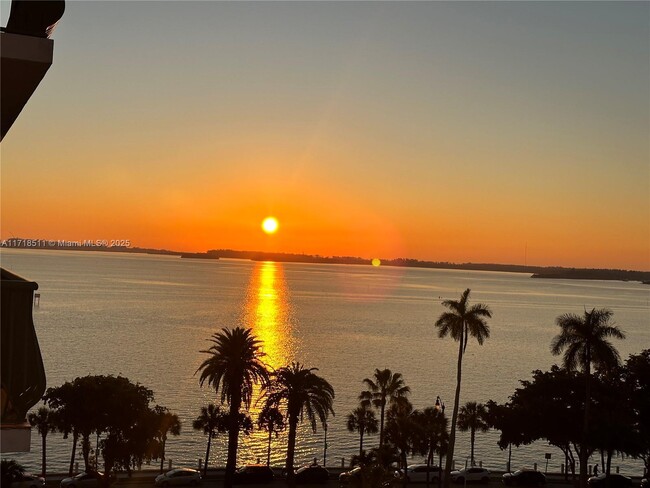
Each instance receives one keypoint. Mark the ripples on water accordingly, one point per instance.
(147, 318)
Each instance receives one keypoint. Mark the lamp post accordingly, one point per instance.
(325, 445)
(440, 405)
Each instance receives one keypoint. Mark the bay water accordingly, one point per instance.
(147, 317)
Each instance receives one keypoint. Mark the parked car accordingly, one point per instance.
(178, 477)
(417, 473)
(611, 481)
(312, 474)
(347, 477)
(524, 477)
(253, 474)
(471, 475)
(92, 479)
(28, 481)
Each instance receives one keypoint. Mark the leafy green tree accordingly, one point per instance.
(363, 421)
(584, 341)
(472, 416)
(522, 421)
(10, 471)
(111, 405)
(128, 448)
(384, 389)
(212, 420)
(68, 402)
(272, 421)
(636, 375)
(233, 369)
(613, 417)
(45, 422)
(168, 423)
(461, 322)
(299, 391)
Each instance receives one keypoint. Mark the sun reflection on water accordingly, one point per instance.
(268, 312)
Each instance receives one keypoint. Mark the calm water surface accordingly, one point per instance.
(147, 318)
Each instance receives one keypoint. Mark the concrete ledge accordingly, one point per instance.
(15, 437)
(26, 48)
(25, 60)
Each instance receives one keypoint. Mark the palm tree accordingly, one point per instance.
(461, 322)
(168, 423)
(584, 341)
(211, 421)
(401, 430)
(234, 367)
(45, 422)
(272, 421)
(473, 416)
(363, 421)
(433, 434)
(301, 392)
(385, 388)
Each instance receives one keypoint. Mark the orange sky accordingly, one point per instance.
(433, 131)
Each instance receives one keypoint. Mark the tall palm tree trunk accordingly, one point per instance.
(85, 450)
(361, 442)
(207, 455)
(454, 417)
(162, 456)
(43, 466)
(291, 447)
(381, 425)
(75, 439)
(609, 461)
(268, 450)
(472, 439)
(233, 441)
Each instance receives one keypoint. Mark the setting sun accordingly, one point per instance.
(270, 225)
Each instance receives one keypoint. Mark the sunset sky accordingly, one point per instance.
(482, 132)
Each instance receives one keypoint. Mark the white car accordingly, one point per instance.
(470, 475)
(28, 481)
(83, 480)
(417, 473)
(179, 476)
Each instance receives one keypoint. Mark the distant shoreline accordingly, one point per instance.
(548, 272)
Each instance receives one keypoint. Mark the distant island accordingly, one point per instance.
(552, 272)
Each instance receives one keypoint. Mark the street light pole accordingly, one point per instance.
(440, 405)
